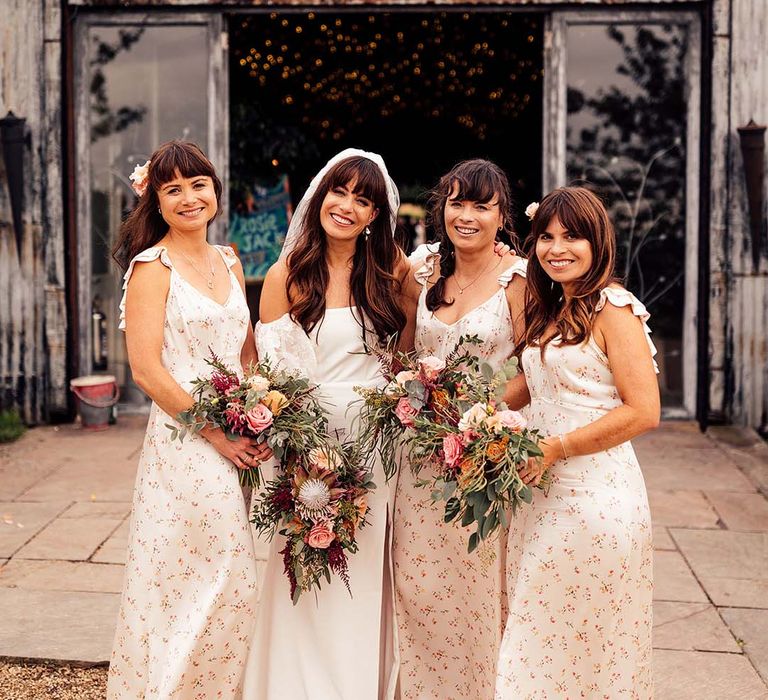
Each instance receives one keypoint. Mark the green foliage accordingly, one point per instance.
(11, 426)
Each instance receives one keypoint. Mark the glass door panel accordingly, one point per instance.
(143, 83)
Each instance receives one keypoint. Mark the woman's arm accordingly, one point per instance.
(516, 301)
(620, 333)
(408, 300)
(144, 321)
(274, 294)
(248, 354)
(516, 394)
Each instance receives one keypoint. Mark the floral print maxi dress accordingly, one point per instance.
(579, 563)
(189, 597)
(450, 604)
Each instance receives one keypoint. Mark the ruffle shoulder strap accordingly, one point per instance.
(519, 267)
(286, 345)
(423, 259)
(147, 255)
(228, 253)
(618, 296)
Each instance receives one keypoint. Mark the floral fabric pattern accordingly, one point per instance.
(189, 597)
(450, 604)
(579, 561)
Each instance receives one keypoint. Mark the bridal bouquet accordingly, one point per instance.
(319, 501)
(449, 420)
(270, 405)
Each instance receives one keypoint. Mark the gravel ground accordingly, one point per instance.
(37, 681)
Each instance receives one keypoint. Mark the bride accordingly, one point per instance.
(335, 290)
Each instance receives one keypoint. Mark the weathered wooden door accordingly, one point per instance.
(140, 80)
(621, 116)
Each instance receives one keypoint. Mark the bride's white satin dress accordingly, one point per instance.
(330, 646)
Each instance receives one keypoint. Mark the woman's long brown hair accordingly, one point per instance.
(580, 212)
(145, 226)
(373, 282)
(477, 180)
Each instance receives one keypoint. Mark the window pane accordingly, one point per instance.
(147, 84)
(626, 134)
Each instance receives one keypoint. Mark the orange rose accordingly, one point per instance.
(496, 450)
(440, 399)
(471, 474)
(274, 401)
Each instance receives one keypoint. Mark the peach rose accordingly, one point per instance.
(259, 418)
(512, 420)
(329, 460)
(405, 412)
(275, 402)
(431, 367)
(453, 449)
(320, 536)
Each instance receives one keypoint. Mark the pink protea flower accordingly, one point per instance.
(236, 418)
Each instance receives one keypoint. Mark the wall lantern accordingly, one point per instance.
(12, 135)
(752, 139)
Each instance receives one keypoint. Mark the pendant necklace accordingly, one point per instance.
(208, 279)
(485, 269)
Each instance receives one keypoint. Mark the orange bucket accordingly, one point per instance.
(96, 394)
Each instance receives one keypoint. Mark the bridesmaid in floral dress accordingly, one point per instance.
(189, 596)
(579, 560)
(450, 604)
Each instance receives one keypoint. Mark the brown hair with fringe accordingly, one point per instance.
(145, 226)
(373, 282)
(477, 180)
(580, 212)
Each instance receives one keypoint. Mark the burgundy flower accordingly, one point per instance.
(235, 418)
(337, 560)
(282, 500)
(224, 382)
(288, 566)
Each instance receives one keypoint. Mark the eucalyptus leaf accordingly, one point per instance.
(474, 540)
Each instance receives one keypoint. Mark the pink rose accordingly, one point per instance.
(259, 418)
(452, 449)
(431, 367)
(320, 536)
(512, 420)
(405, 412)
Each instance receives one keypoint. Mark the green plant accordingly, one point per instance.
(11, 426)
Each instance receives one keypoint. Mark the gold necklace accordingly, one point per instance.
(208, 280)
(485, 269)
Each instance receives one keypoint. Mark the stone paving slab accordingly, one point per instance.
(691, 627)
(682, 509)
(20, 522)
(673, 580)
(65, 625)
(661, 539)
(687, 469)
(114, 549)
(69, 538)
(747, 512)
(751, 627)
(33, 575)
(731, 566)
(699, 675)
(97, 509)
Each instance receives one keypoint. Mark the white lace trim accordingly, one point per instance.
(618, 296)
(284, 342)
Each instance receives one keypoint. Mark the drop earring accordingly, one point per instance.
(367, 232)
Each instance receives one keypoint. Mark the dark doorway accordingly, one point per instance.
(423, 89)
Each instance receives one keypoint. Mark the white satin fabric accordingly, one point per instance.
(332, 646)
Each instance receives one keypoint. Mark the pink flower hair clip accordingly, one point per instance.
(531, 209)
(139, 178)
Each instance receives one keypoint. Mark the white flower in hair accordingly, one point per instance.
(531, 209)
(139, 178)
